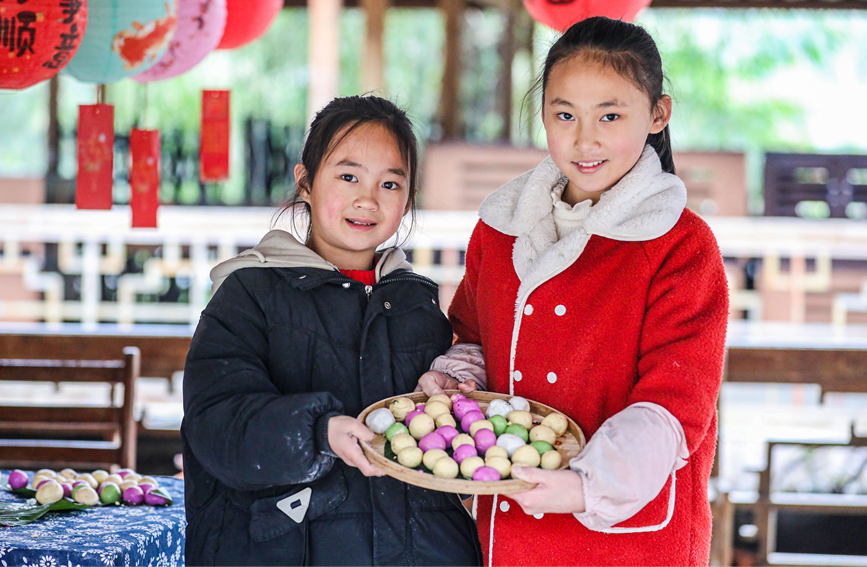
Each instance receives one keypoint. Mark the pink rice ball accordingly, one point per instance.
(432, 441)
(462, 407)
(485, 439)
(486, 474)
(470, 418)
(464, 452)
(448, 433)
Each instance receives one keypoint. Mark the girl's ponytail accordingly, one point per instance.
(661, 142)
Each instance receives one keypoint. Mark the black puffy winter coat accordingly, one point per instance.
(277, 353)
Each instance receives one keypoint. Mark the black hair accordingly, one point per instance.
(629, 50)
(332, 124)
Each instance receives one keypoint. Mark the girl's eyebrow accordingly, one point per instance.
(607, 104)
(350, 163)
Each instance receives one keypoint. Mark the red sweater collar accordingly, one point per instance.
(367, 277)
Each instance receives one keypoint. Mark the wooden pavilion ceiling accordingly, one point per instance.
(800, 4)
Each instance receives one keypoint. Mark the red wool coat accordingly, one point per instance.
(631, 309)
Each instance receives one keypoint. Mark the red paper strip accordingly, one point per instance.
(214, 146)
(93, 182)
(144, 177)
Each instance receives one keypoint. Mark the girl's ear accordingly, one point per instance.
(661, 115)
(301, 181)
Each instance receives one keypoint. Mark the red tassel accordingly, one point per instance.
(144, 177)
(93, 182)
(214, 146)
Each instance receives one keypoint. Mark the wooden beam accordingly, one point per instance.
(374, 52)
(732, 4)
(450, 102)
(324, 54)
(776, 4)
(506, 50)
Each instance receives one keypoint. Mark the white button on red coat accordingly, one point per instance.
(560, 310)
(538, 516)
(528, 310)
(504, 506)
(517, 375)
(552, 377)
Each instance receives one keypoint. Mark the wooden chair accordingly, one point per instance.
(33, 436)
(771, 504)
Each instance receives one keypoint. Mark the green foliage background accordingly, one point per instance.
(720, 64)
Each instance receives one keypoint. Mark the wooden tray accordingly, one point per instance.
(568, 445)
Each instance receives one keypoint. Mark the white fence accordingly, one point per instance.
(45, 247)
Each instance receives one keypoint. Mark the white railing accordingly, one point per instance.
(796, 257)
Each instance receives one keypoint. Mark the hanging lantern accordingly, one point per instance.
(246, 21)
(144, 177)
(560, 14)
(94, 180)
(38, 38)
(200, 28)
(124, 38)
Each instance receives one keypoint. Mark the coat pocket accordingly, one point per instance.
(269, 521)
(653, 517)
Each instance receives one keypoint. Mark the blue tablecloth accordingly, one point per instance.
(106, 535)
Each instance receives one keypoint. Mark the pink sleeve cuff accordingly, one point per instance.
(463, 362)
(627, 462)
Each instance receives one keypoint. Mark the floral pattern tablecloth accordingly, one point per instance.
(106, 535)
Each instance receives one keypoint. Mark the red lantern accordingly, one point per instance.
(246, 21)
(38, 38)
(560, 14)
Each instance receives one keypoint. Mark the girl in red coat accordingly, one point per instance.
(590, 288)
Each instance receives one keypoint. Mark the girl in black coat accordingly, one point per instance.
(285, 356)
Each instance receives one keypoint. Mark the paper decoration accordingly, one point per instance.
(214, 144)
(124, 38)
(200, 28)
(246, 21)
(560, 14)
(94, 180)
(144, 177)
(38, 38)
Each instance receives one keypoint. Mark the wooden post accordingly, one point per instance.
(374, 54)
(506, 51)
(52, 176)
(450, 102)
(324, 53)
(526, 25)
(53, 125)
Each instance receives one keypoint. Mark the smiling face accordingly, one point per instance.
(597, 123)
(358, 198)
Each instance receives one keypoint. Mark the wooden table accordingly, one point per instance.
(102, 535)
(834, 358)
(163, 347)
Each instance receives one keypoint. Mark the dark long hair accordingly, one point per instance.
(343, 116)
(626, 48)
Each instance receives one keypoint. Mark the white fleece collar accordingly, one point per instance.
(280, 249)
(645, 204)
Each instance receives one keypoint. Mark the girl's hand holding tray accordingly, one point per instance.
(522, 439)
